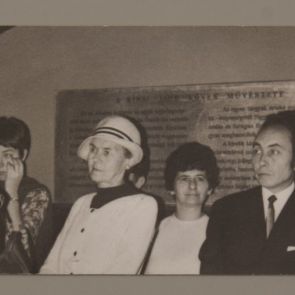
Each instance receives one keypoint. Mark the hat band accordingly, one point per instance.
(113, 131)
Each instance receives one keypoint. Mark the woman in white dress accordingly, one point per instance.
(108, 231)
(191, 175)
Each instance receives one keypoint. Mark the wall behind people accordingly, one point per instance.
(38, 62)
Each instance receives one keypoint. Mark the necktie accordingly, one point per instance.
(270, 215)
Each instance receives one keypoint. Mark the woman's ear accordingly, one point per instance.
(127, 166)
(210, 191)
(129, 163)
(25, 155)
(140, 182)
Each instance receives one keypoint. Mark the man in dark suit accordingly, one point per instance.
(253, 232)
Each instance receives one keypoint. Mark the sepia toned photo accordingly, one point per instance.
(147, 150)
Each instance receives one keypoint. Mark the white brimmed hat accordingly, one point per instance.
(119, 130)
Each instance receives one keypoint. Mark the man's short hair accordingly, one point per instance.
(284, 119)
(15, 133)
(190, 156)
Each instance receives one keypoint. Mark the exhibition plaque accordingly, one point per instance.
(224, 116)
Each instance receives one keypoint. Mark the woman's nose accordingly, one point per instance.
(97, 156)
(192, 183)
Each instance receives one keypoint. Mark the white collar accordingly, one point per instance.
(282, 198)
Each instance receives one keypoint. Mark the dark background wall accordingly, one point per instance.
(37, 62)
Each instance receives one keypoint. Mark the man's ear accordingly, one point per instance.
(25, 155)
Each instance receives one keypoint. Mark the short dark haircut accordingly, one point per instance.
(284, 119)
(15, 133)
(190, 156)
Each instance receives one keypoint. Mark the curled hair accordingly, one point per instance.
(190, 156)
(15, 133)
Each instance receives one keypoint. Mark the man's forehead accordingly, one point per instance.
(273, 135)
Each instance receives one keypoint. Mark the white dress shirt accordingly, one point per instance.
(282, 198)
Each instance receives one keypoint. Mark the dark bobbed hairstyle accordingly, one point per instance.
(284, 119)
(15, 133)
(190, 156)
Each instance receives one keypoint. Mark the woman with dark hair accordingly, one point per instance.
(191, 175)
(28, 201)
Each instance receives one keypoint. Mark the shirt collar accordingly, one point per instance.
(282, 198)
(106, 195)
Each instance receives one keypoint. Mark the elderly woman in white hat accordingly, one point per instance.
(109, 231)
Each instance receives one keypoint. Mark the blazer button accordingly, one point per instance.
(75, 253)
(82, 230)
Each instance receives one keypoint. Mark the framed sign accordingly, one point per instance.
(224, 116)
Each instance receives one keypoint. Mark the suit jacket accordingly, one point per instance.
(236, 240)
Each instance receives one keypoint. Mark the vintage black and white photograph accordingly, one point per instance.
(147, 150)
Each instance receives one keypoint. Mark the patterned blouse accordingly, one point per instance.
(34, 201)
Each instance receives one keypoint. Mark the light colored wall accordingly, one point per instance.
(37, 62)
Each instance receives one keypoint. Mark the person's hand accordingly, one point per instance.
(15, 172)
